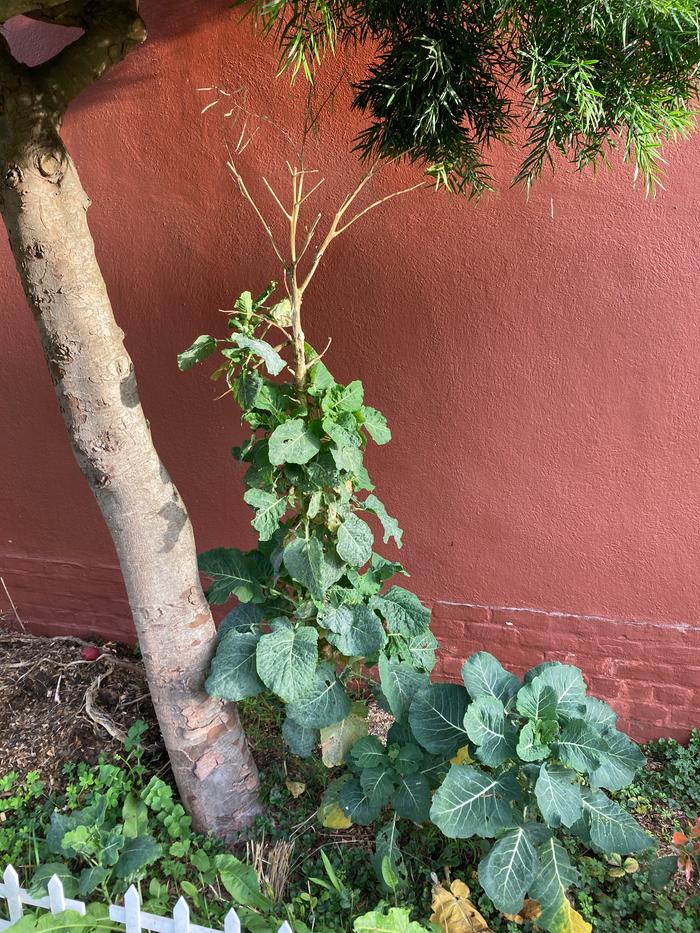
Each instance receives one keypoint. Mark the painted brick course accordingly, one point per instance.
(648, 671)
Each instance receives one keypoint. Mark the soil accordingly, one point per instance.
(44, 722)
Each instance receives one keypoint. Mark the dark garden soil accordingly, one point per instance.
(58, 707)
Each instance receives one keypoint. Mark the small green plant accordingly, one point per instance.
(312, 615)
(521, 763)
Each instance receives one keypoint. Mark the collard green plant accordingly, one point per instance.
(518, 763)
(312, 612)
(448, 78)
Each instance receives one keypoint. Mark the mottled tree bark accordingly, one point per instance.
(44, 208)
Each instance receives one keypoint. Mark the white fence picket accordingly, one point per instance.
(12, 892)
(130, 916)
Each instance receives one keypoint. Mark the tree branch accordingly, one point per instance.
(10, 68)
(10, 8)
(112, 30)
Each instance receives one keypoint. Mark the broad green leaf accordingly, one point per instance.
(68, 921)
(537, 700)
(136, 855)
(357, 805)
(244, 304)
(293, 442)
(395, 920)
(620, 763)
(612, 829)
(580, 746)
(412, 798)
(400, 683)
(436, 717)
(90, 879)
(301, 740)
(471, 802)
(246, 389)
(38, 886)
(134, 816)
(320, 379)
(338, 738)
(365, 636)
(281, 313)
(349, 398)
(568, 684)
(268, 511)
(241, 618)
(355, 540)
(387, 848)
(378, 785)
(287, 660)
(274, 363)
(554, 876)
(408, 759)
(241, 881)
(203, 347)
(63, 823)
(232, 573)
(325, 703)
(389, 524)
(487, 726)
(558, 797)
(533, 738)
(509, 869)
(234, 674)
(369, 753)
(376, 425)
(484, 675)
(420, 650)
(308, 564)
(338, 619)
(403, 611)
(661, 870)
(598, 714)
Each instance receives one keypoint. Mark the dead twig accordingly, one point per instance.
(98, 715)
(14, 608)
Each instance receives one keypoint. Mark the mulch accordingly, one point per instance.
(58, 707)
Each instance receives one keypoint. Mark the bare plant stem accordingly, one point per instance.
(296, 282)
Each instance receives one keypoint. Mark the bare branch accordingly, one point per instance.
(246, 194)
(388, 197)
(279, 203)
(315, 187)
(113, 29)
(309, 236)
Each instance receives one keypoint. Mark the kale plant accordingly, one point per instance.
(524, 764)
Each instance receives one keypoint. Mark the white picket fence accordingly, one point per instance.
(130, 916)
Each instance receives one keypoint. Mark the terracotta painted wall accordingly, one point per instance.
(539, 363)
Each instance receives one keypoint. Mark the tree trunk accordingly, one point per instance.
(44, 208)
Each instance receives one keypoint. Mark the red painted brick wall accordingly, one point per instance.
(538, 361)
(649, 672)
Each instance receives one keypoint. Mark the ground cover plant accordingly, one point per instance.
(330, 878)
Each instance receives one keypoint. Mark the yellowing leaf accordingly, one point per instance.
(332, 816)
(529, 911)
(568, 920)
(462, 757)
(338, 739)
(295, 788)
(453, 912)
